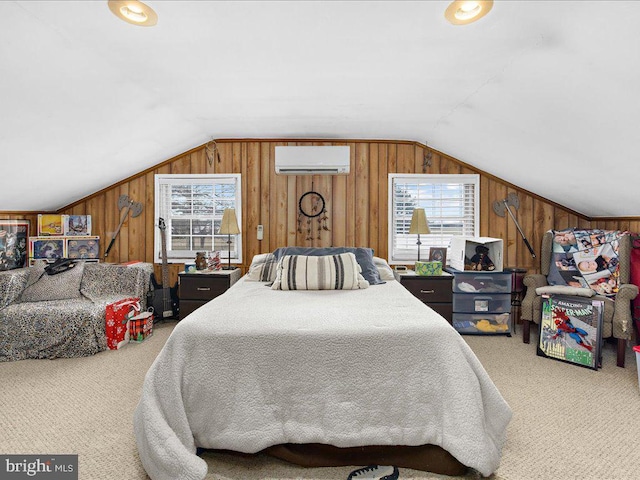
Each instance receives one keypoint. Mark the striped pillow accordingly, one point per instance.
(328, 272)
(263, 268)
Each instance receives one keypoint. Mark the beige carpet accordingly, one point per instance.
(569, 422)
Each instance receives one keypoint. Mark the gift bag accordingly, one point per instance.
(141, 327)
(118, 316)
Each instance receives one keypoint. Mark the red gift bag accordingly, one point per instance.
(118, 316)
(141, 327)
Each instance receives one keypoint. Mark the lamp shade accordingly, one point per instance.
(229, 225)
(419, 222)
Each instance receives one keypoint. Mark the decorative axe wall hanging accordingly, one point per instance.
(126, 205)
(312, 207)
(501, 208)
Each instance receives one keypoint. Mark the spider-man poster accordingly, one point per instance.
(571, 330)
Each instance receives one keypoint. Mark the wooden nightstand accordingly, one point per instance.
(196, 289)
(434, 291)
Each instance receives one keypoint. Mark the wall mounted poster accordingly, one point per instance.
(14, 235)
(571, 330)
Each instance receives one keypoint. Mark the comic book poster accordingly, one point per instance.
(14, 235)
(49, 225)
(83, 248)
(47, 248)
(77, 225)
(571, 330)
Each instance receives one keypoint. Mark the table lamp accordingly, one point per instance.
(419, 225)
(229, 226)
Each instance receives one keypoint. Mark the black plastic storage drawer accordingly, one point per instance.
(474, 282)
(482, 324)
(477, 303)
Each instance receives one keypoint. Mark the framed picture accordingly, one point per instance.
(48, 248)
(14, 237)
(438, 254)
(86, 248)
(49, 224)
(76, 225)
(571, 330)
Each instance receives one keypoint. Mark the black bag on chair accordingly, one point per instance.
(59, 266)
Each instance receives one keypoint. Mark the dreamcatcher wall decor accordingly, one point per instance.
(312, 207)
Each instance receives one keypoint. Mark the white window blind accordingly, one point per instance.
(451, 203)
(192, 207)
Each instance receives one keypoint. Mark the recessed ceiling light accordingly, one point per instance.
(134, 12)
(461, 12)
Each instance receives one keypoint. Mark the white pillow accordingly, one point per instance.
(260, 258)
(326, 272)
(385, 271)
(565, 290)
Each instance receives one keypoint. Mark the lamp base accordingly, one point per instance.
(226, 267)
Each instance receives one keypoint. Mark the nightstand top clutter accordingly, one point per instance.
(232, 272)
(412, 273)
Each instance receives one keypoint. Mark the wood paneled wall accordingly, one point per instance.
(356, 203)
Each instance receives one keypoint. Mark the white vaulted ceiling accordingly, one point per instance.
(543, 94)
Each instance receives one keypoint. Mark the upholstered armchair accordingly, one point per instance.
(617, 310)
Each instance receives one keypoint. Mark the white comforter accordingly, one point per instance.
(256, 367)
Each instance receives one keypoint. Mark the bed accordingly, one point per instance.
(259, 369)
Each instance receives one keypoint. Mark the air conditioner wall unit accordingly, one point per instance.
(313, 160)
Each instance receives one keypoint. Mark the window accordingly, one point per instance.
(451, 203)
(192, 207)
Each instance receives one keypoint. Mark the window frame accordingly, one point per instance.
(462, 179)
(189, 255)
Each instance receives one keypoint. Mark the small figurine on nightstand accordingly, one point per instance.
(481, 260)
(201, 261)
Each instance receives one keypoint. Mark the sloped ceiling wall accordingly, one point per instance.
(356, 203)
(541, 94)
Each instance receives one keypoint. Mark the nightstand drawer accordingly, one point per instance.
(196, 289)
(429, 289)
(203, 288)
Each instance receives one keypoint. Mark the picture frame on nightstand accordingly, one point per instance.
(438, 254)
